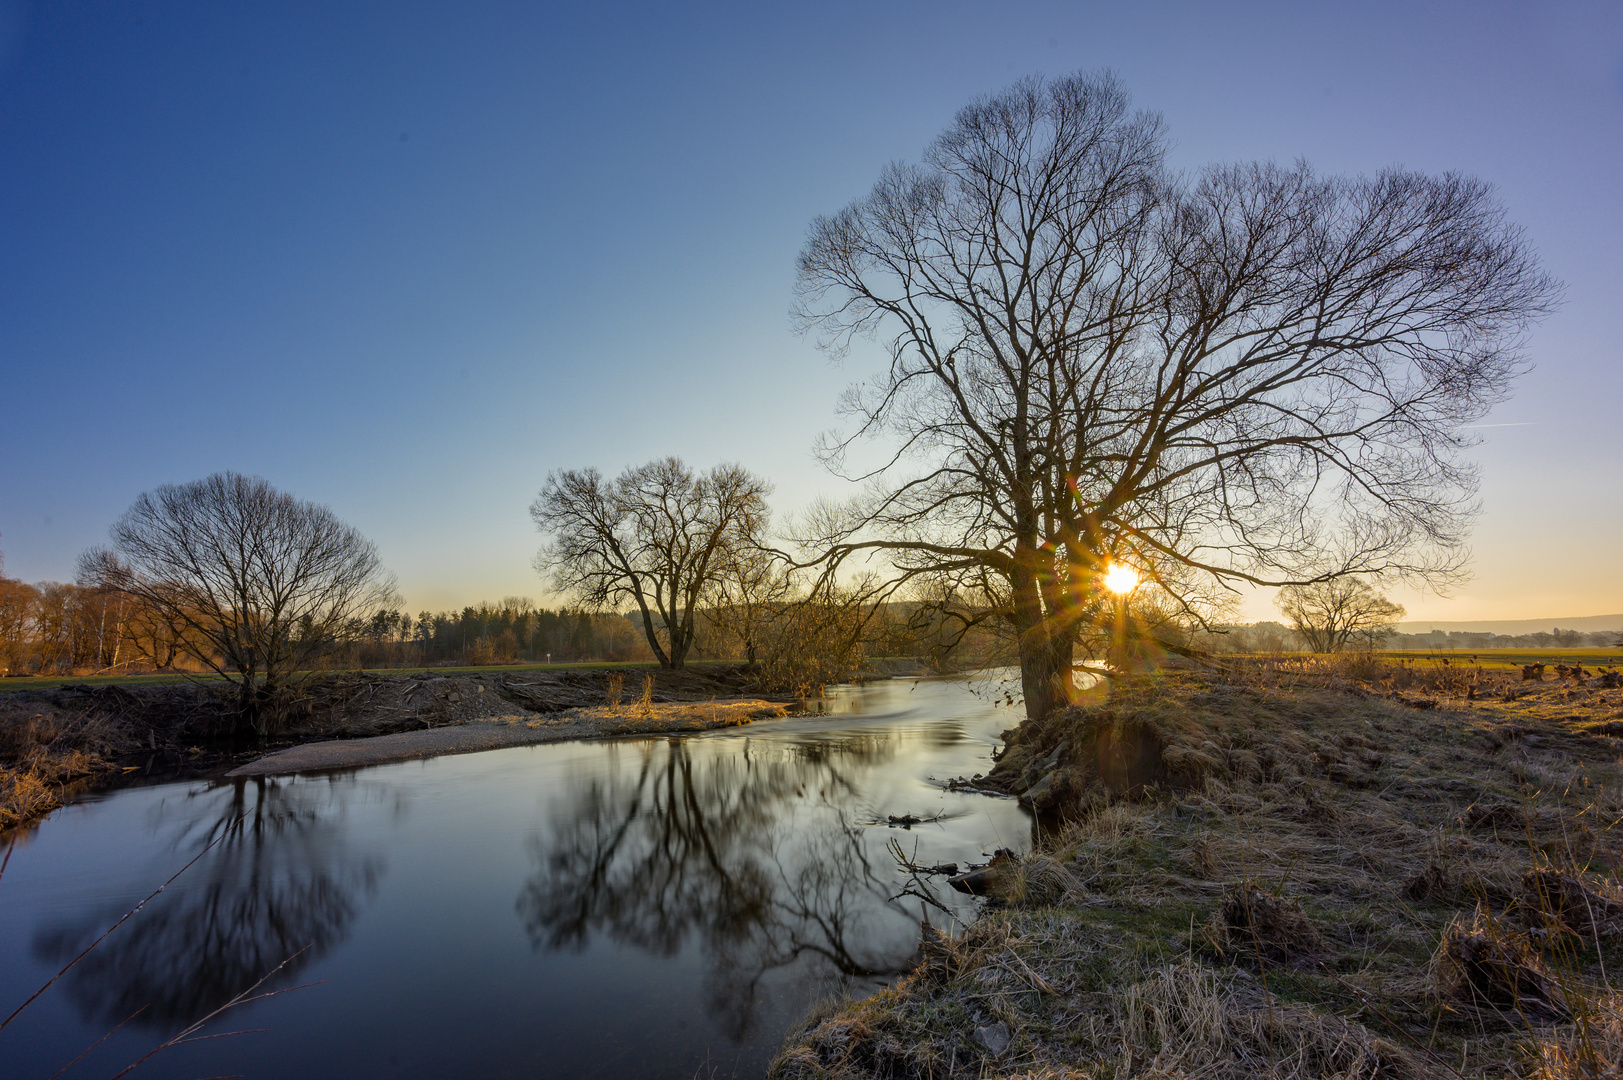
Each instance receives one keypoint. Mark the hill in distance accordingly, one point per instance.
(1586, 623)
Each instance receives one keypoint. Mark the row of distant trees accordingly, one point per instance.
(1275, 637)
(92, 625)
(1555, 638)
(86, 625)
(229, 575)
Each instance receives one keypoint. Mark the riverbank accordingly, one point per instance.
(60, 742)
(1268, 872)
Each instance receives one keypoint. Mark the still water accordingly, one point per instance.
(636, 908)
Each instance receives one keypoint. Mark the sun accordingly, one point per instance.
(1121, 579)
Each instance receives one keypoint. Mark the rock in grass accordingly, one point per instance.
(993, 1038)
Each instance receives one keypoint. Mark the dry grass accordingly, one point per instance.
(42, 752)
(1286, 874)
(656, 718)
(1481, 964)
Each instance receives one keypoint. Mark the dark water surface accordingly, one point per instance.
(637, 908)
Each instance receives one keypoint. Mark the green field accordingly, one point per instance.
(1505, 659)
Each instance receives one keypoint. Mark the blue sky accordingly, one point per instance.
(406, 258)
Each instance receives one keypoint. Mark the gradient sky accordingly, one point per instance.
(405, 258)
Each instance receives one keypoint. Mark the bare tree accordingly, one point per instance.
(263, 584)
(659, 535)
(104, 578)
(752, 589)
(1330, 614)
(1256, 374)
(19, 606)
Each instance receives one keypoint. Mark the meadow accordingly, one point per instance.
(1272, 870)
(1505, 659)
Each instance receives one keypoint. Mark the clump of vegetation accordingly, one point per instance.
(42, 752)
(1274, 875)
(1482, 964)
(1264, 925)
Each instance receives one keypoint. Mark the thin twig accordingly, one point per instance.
(98, 1042)
(186, 1034)
(223, 834)
(7, 860)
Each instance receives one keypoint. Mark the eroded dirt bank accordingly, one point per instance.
(57, 743)
(1261, 874)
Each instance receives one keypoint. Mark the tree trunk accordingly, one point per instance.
(1045, 673)
(1045, 654)
(248, 706)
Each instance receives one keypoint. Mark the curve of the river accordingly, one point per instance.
(635, 908)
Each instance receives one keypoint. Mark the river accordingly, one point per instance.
(659, 908)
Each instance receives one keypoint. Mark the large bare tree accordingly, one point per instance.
(262, 584)
(1252, 374)
(659, 535)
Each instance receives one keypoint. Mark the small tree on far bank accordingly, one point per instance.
(260, 585)
(659, 535)
(1331, 614)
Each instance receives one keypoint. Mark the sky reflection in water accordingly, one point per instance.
(640, 908)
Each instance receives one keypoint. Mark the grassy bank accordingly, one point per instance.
(1262, 872)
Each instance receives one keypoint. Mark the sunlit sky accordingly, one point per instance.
(405, 258)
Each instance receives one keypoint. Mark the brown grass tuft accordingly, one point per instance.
(1263, 926)
(1189, 1021)
(1482, 964)
(1586, 1050)
(1556, 902)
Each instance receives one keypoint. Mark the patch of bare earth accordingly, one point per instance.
(520, 730)
(1252, 873)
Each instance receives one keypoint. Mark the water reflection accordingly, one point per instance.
(678, 903)
(749, 851)
(278, 881)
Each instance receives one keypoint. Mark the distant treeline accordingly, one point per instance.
(93, 626)
(1269, 637)
(1555, 638)
(517, 630)
(86, 628)
(513, 630)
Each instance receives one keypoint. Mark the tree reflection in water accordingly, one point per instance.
(279, 881)
(751, 853)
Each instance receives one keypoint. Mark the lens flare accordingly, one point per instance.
(1121, 579)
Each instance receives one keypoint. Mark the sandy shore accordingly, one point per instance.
(518, 730)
